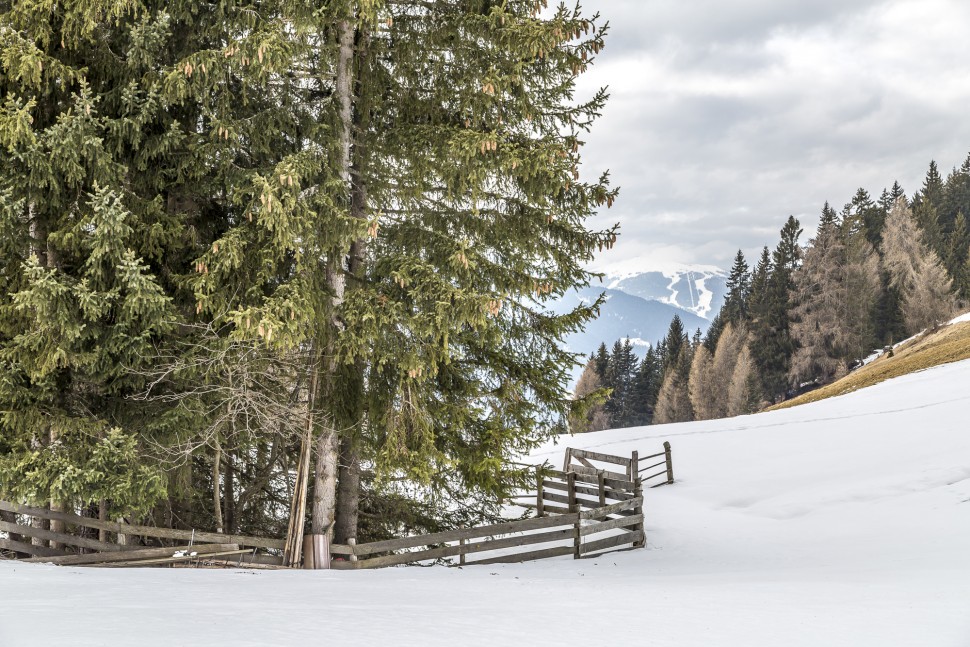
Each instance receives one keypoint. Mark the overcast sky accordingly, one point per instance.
(726, 116)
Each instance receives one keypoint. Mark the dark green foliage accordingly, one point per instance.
(735, 309)
(714, 332)
(175, 211)
(771, 342)
(672, 344)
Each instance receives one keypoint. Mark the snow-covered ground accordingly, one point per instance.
(844, 522)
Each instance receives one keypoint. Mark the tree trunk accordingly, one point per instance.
(348, 494)
(228, 498)
(102, 516)
(325, 468)
(216, 501)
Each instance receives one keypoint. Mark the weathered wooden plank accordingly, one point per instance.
(622, 485)
(558, 498)
(262, 559)
(166, 560)
(582, 461)
(571, 492)
(519, 540)
(611, 493)
(70, 540)
(468, 548)
(645, 458)
(29, 549)
(653, 476)
(523, 525)
(558, 551)
(603, 458)
(670, 462)
(586, 471)
(256, 566)
(144, 531)
(131, 555)
(555, 509)
(650, 467)
(614, 508)
(611, 524)
(339, 549)
(611, 542)
(539, 511)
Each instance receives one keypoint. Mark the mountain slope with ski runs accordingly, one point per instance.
(841, 522)
(640, 304)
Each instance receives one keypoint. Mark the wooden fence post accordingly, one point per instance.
(670, 462)
(461, 551)
(602, 487)
(571, 491)
(638, 492)
(634, 465)
(102, 516)
(540, 512)
(577, 538)
(567, 459)
(352, 542)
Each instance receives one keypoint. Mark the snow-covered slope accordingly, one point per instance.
(624, 316)
(641, 302)
(699, 290)
(844, 522)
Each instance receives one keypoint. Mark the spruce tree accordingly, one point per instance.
(646, 387)
(771, 344)
(464, 149)
(735, 309)
(673, 343)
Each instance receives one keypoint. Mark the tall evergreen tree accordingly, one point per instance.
(735, 307)
(646, 387)
(771, 344)
(673, 342)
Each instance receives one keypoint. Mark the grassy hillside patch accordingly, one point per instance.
(950, 344)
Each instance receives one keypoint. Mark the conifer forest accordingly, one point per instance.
(240, 238)
(805, 314)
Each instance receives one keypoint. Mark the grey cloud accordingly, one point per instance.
(726, 117)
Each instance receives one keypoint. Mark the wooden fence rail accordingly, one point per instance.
(567, 533)
(582, 510)
(667, 473)
(42, 552)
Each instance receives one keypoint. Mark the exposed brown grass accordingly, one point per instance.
(950, 344)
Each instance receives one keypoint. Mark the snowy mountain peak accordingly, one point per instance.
(698, 289)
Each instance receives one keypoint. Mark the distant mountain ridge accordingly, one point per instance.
(640, 305)
(696, 289)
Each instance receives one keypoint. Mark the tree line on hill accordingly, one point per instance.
(876, 272)
(229, 227)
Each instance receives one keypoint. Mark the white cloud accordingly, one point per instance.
(728, 116)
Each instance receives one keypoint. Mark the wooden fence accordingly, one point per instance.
(41, 544)
(666, 473)
(581, 511)
(565, 534)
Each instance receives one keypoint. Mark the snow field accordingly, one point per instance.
(843, 522)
